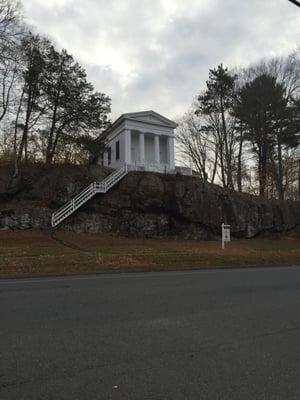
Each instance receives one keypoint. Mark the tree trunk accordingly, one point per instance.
(16, 165)
(299, 180)
(239, 166)
(222, 167)
(49, 154)
(50, 150)
(215, 165)
(263, 174)
(229, 182)
(24, 141)
(280, 171)
(221, 156)
(23, 144)
(53, 150)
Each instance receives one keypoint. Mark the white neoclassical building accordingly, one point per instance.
(142, 141)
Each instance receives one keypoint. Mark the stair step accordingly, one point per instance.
(82, 197)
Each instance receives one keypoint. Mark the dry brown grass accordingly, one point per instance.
(32, 252)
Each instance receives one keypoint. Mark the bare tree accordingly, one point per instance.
(9, 69)
(10, 33)
(286, 71)
(10, 26)
(197, 143)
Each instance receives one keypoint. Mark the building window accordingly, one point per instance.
(118, 150)
(109, 156)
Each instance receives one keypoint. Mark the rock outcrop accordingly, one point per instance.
(143, 205)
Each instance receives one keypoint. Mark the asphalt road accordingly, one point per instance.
(231, 334)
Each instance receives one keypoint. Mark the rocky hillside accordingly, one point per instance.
(141, 205)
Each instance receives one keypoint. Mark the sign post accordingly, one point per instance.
(225, 234)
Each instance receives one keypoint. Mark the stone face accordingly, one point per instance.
(144, 205)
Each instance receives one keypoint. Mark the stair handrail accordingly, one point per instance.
(72, 205)
(83, 196)
(74, 198)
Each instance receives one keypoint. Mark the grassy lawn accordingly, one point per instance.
(32, 252)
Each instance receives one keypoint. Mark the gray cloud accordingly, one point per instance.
(156, 53)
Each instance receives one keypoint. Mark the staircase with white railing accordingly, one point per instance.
(82, 197)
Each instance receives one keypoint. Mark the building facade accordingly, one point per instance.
(142, 141)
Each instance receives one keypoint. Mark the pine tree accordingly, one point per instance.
(270, 122)
(217, 102)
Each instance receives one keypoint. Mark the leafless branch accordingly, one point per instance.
(297, 3)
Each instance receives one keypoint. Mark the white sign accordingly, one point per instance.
(225, 234)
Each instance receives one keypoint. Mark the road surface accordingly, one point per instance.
(231, 334)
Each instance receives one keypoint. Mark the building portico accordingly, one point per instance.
(148, 148)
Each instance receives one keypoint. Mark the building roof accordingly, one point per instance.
(150, 117)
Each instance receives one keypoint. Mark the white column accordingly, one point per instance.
(142, 147)
(156, 149)
(171, 155)
(127, 146)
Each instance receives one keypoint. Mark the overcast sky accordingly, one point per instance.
(155, 54)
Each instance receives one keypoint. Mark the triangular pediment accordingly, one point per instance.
(150, 117)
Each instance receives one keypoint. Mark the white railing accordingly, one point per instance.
(159, 167)
(82, 197)
(150, 167)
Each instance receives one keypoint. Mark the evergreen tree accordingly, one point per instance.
(217, 102)
(270, 123)
(77, 113)
(32, 97)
